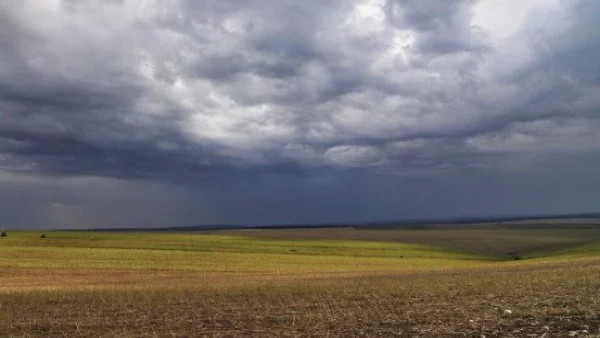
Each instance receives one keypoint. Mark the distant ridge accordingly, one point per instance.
(492, 219)
(375, 224)
(218, 227)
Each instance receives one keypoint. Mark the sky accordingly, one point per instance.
(147, 113)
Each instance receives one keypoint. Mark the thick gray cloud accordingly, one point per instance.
(205, 100)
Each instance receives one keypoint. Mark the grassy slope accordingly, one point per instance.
(499, 240)
(219, 253)
(237, 284)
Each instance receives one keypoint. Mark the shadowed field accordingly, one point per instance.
(509, 238)
(263, 283)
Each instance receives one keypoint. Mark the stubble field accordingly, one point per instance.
(433, 282)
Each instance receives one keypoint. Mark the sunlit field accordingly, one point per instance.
(462, 282)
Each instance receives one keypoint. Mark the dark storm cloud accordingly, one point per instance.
(443, 26)
(115, 88)
(301, 96)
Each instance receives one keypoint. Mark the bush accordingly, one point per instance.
(3, 234)
(43, 236)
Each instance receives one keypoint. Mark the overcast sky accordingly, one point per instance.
(122, 113)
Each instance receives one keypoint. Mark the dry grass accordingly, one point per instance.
(420, 296)
(506, 239)
(562, 296)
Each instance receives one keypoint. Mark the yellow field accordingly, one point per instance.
(256, 283)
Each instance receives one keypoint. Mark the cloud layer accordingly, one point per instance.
(184, 90)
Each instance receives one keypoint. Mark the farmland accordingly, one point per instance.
(435, 281)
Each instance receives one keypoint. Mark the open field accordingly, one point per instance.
(507, 239)
(318, 282)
